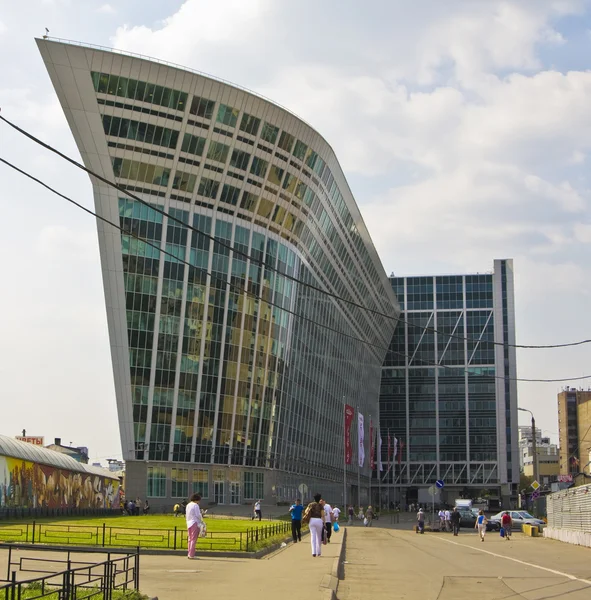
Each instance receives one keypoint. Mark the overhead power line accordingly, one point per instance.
(262, 263)
(243, 289)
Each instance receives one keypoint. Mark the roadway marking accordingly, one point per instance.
(521, 562)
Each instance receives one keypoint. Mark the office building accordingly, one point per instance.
(230, 371)
(448, 392)
(547, 455)
(574, 430)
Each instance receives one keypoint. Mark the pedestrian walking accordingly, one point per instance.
(506, 524)
(257, 510)
(360, 514)
(447, 515)
(146, 507)
(296, 511)
(327, 520)
(314, 516)
(336, 513)
(421, 521)
(351, 515)
(455, 518)
(369, 515)
(441, 515)
(480, 524)
(194, 524)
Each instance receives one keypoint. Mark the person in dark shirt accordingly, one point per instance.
(455, 521)
(296, 511)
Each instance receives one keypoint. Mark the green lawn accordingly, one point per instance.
(150, 531)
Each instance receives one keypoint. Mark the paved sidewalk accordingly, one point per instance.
(385, 563)
(290, 573)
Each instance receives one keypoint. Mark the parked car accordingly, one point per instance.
(467, 517)
(519, 518)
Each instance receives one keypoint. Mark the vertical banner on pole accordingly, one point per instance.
(349, 414)
(380, 465)
(389, 450)
(372, 464)
(361, 438)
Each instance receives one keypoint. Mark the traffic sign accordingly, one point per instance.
(535, 495)
(433, 490)
(439, 483)
(535, 485)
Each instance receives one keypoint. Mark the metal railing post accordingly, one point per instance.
(33, 534)
(175, 537)
(104, 532)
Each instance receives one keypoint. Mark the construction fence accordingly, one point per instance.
(569, 516)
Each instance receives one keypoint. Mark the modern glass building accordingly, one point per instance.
(448, 392)
(232, 350)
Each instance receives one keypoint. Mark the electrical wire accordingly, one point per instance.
(262, 263)
(243, 289)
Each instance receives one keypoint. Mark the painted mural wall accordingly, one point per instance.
(31, 485)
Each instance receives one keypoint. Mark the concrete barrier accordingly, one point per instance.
(531, 530)
(578, 538)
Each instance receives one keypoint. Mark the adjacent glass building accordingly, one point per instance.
(231, 365)
(448, 393)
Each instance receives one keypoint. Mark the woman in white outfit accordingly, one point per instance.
(315, 517)
(194, 524)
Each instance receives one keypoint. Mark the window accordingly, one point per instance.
(239, 160)
(259, 485)
(300, 150)
(269, 133)
(193, 144)
(202, 107)
(218, 152)
(227, 115)
(250, 124)
(249, 201)
(275, 175)
(265, 207)
(289, 183)
(208, 188)
(286, 141)
(140, 131)
(156, 482)
(230, 194)
(139, 90)
(184, 181)
(258, 166)
(249, 485)
(201, 482)
(180, 483)
(139, 171)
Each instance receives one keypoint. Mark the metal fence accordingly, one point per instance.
(65, 576)
(570, 509)
(569, 515)
(120, 537)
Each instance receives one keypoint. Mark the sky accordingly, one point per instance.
(463, 128)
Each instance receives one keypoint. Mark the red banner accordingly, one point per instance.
(372, 463)
(349, 414)
(401, 445)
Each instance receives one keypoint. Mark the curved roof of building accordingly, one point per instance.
(25, 451)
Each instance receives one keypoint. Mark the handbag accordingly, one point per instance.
(202, 529)
(306, 515)
(335, 527)
(502, 532)
(365, 521)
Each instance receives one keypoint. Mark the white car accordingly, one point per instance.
(519, 517)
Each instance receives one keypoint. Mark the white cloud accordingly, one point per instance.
(106, 9)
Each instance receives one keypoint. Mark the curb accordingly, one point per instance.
(330, 582)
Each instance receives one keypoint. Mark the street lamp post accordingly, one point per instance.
(533, 442)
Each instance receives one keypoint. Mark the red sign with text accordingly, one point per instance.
(349, 414)
(37, 440)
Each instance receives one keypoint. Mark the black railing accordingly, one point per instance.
(66, 578)
(120, 537)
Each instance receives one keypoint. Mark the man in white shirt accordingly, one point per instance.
(257, 511)
(335, 513)
(328, 520)
(447, 520)
(441, 515)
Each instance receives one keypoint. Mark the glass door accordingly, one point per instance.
(234, 492)
(218, 492)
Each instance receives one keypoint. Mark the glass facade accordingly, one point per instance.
(439, 392)
(232, 358)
